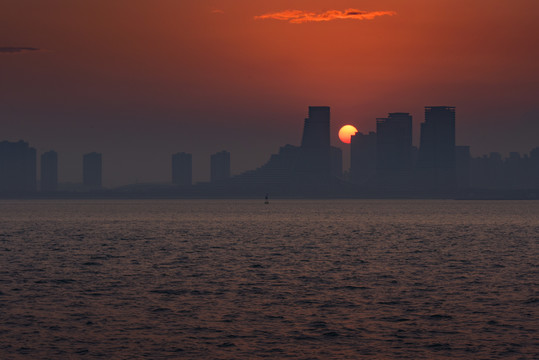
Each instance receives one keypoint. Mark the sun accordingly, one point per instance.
(345, 133)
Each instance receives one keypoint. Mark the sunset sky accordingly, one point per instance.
(139, 80)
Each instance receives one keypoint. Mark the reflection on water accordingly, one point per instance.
(293, 279)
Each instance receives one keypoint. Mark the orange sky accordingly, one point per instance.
(141, 79)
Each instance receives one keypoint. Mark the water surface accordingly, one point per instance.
(238, 279)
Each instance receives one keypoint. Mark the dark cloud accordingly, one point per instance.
(16, 49)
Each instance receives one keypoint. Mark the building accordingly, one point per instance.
(17, 167)
(314, 166)
(220, 167)
(436, 162)
(182, 169)
(91, 170)
(49, 171)
(394, 149)
(363, 157)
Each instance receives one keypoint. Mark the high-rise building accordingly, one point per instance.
(220, 166)
(363, 157)
(394, 149)
(91, 170)
(436, 163)
(316, 128)
(49, 171)
(17, 167)
(182, 169)
(315, 163)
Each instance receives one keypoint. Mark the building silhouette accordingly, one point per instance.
(182, 169)
(314, 166)
(49, 171)
(394, 150)
(220, 167)
(534, 168)
(17, 167)
(276, 176)
(92, 170)
(515, 172)
(436, 162)
(363, 157)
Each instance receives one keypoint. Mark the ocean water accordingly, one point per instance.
(295, 279)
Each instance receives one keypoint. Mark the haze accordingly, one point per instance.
(138, 80)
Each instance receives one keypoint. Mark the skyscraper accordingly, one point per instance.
(316, 128)
(49, 171)
(436, 163)
(394, 149)
(182, 169)
(314, 165)
(220, 166)
(91, 170)
(363, 157)
(17, 167)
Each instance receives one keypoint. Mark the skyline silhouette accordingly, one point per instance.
(173, 183)
(186, 76)
(382, 163)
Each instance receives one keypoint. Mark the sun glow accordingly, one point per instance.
(346, 132)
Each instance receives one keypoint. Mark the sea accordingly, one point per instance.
(292, 279)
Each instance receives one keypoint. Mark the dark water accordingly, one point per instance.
(293, 279)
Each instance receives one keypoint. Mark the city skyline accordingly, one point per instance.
(239, 179)
(139, 81)
(382, 162)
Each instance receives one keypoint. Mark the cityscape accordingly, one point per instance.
(239, 179)
(383, 164)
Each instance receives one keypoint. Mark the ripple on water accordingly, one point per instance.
(298, 279)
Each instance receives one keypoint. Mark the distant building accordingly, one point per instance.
(182, 169)
(363, 157)
(49, 171)
(394, 149)
(314, 166)
(534, 168)
(92, 170)
(17, 167)
(436, 163)
(220, 166)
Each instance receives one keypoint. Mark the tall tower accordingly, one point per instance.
(436, 162)
(316, 128)
(91, 170)
(394, 148)
(220, 166)
(182, 169)
(314, 164)
(17, 167)
(363, 157)
(49, 171)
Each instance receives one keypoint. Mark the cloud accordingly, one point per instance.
(299, 16)
(217, 11)
(16, 49)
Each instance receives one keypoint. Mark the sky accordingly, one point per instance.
(139, 80)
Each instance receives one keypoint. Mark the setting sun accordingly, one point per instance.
(346, 132)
